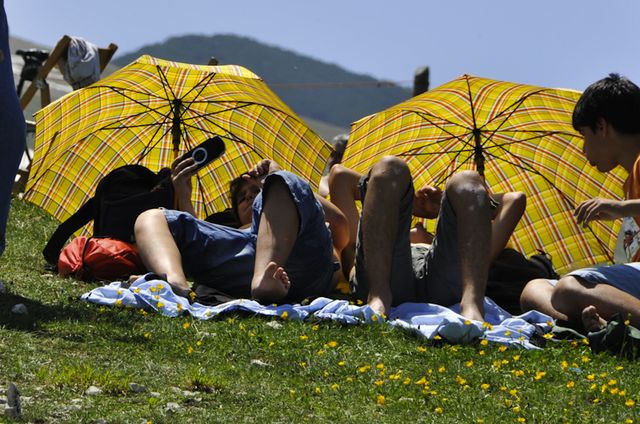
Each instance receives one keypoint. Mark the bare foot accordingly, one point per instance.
(472, 313)
(378, 306)
(274, 284)
(592, 320)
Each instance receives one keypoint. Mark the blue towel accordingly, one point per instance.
(426, 319)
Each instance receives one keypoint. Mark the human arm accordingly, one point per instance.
(182, 169)
(606, 209)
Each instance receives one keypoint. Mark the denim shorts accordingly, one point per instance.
(223, 257)
(419, 273)
(625, 277)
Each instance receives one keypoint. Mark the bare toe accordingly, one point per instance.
(591, 320)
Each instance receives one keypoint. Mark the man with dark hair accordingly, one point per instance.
(608, 117)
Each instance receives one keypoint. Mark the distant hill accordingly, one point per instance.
(314, 89)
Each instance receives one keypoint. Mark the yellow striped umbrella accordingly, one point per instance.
(152, 110)
(520, 137)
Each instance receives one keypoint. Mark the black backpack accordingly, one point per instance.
(120, 197)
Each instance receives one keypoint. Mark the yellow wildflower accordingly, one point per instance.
(467, 322)
(590, 377)
(186, 325)
(334, 386)
(484, 342)
(469, 363)
(406, 381)
(502, 348)
(438, 410)
(317, 390)
(441, 369)
(119, 302)
(332, 343)
(199, 343)
(481, 352)
(189, 350)
(378, 382)
(302, 364)
(516, 409)
(284, 315)
(516, 357)
(422, 349)
(321, 352)
(461, 381)
(364, 368)
(522, 420)
(380, 400)
(315, 327)
(630, 402)
(380, 366)
(341, 364)
(570, 384)
(540, 374)
(304, 338)
(160, 305)
(484, 386)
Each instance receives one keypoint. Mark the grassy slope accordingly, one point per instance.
(315, 372)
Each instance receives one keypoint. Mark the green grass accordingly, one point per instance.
(244, 369)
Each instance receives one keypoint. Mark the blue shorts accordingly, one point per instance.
(223, 257)
(625, 277)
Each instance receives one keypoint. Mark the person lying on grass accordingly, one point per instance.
(608, 117)
(285, 255)
(385, 269)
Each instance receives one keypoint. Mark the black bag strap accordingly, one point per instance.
(54, 246)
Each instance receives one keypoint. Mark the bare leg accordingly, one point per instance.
(470, 201)
(573, 295)
(343, 187)
(277, 233)
(537, 295)
(158, 250)
(512, 206)
(388, 181)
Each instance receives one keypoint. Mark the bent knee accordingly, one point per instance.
(535, 293)
(467, 187)
(391, 169)
(148, 218)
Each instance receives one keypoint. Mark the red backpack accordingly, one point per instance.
(99, 258)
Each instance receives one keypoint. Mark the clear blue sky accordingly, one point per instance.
(556, 43)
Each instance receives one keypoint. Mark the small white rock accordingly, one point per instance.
(187, 393)
(274, 324)
(172, 407)
(154, 394)
(260, 363)
(20, 309)
(137, 388)
(92, 391)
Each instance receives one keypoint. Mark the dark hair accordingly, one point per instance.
(615, 99)
(234, 188)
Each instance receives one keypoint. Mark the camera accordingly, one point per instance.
(207, 151)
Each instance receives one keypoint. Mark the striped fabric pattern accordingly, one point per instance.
(528, 145)
(126, 118)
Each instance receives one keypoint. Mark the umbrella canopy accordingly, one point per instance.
(153, 110)
(520, 138)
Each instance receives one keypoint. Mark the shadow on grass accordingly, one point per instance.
(39, 314)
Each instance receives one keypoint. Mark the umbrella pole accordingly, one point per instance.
(175, 136)
(478, 156)
(175, 127)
